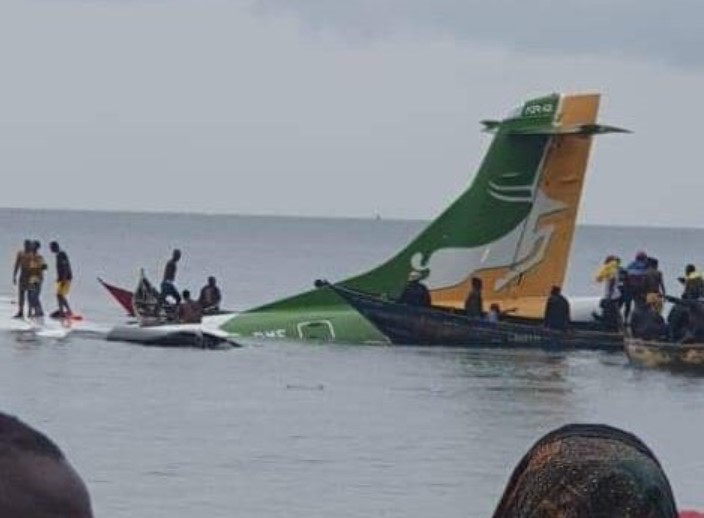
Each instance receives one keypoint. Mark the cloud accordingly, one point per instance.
(671, 32)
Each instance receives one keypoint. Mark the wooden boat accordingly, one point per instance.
(157, 325)
(143, 302)
(666, 355)
(413, 325)
(122, 296)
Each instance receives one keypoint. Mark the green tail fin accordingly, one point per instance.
(512, 227)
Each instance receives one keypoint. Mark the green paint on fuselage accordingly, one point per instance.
(318, 316)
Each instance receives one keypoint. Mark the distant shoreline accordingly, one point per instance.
(370, 218)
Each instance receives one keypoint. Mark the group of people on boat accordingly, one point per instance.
(28, 275)
(556, 315)
(187, 309)
(634, 298)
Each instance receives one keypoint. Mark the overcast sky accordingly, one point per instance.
(337, 108)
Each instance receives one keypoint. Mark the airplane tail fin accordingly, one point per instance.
(513, 227)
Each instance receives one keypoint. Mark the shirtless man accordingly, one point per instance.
(22, 268)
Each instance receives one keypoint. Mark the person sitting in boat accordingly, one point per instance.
(474, 305)
(610, 274)
(557, 311)
(168, 287)
(494, 314)
(189, 311)
(210, 297)
(678, 320)
(693, 329)
(647, 323)
(415, 293)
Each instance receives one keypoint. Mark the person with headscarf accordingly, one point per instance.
(588, 471)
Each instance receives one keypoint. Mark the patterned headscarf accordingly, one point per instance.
(588, 471)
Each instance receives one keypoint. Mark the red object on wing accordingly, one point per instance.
(122, 296)
(691, 514)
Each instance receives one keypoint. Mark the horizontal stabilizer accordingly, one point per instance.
(490, 125)
(580, 129)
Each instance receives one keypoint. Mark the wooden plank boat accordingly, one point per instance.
(666, 355)
(413, 325)
(142, 303)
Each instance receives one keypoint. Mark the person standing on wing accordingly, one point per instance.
(35, 278)
(168, 287)
(64, 276)
(22, 268)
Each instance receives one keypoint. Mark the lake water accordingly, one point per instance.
(296, 430)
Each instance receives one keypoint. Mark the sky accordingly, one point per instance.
(339, 109)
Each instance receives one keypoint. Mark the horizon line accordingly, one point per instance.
(375, 217)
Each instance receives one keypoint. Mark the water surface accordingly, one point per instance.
(295, 430)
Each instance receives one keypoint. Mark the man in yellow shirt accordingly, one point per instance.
(37, 265)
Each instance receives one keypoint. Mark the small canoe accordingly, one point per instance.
(665, 355)
(122, 296)
(143, 302)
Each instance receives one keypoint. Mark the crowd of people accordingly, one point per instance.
(28, 275)
(634, 297)
(30, 270)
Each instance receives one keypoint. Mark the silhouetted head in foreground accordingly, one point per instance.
(36, 480)
(588, 471)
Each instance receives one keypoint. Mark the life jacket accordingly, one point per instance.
(36, 267)
(693, 286)
(609, 275)
(607, 271)
(24, 259)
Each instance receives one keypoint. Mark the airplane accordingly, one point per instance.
(512, 227)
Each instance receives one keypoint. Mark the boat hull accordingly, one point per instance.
(413, 325)
(664, 355)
